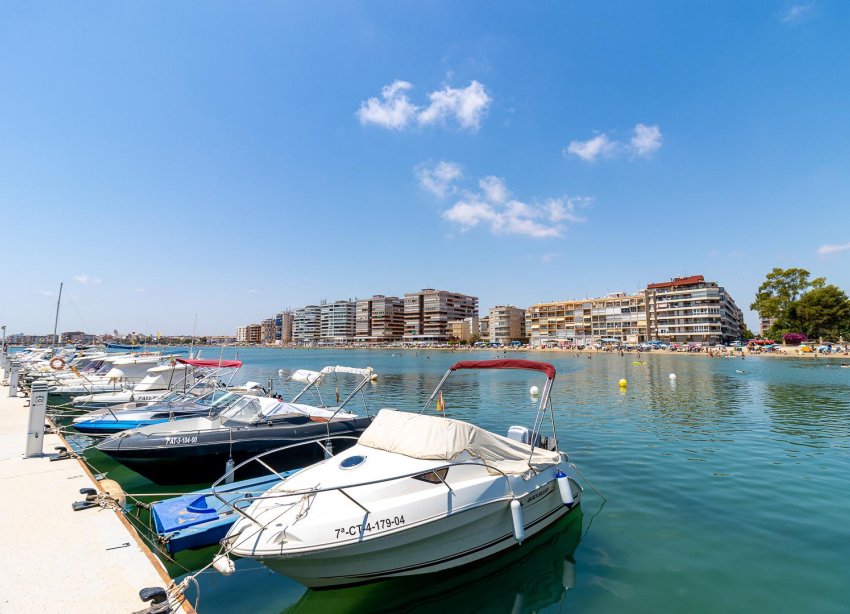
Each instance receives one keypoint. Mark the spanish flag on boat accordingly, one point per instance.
(441, 404)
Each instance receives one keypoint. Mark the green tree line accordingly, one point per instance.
(803, 305)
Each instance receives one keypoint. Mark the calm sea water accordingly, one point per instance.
(728, 490)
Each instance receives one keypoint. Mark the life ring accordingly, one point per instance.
(57, 363)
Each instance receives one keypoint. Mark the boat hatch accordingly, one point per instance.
(352, 461)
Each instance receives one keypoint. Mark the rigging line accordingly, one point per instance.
(572, 465)
(80, 315)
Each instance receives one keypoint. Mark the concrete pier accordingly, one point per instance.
(53, 559)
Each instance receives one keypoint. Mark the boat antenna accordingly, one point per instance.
(56, 321)
(192, 345)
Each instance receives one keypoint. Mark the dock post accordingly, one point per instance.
(13, 379)
(38, 406)
(7, 366)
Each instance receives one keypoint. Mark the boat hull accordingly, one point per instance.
(192, 457)
(454, 541)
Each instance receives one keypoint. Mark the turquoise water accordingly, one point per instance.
(726, 490)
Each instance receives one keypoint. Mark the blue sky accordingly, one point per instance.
(230, 160)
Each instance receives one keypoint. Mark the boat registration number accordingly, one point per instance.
(378, 525)
(174, 441)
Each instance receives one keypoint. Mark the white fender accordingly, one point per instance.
(516, 515)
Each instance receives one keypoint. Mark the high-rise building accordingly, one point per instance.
(427, 314)
(506, 324)
(283, 327)
(690, 309)
(380, 318)
(242, 334)
(267, 330)
(306, 324)
(336, 324)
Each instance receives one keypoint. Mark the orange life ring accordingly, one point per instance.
(57, 363)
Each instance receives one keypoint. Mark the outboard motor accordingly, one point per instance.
(522, 434)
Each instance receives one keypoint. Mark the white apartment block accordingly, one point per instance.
(336, 321)
(690, 309)
(242, 334)
(427, 314)
(506, 323)
(306, 324)
(468, 329)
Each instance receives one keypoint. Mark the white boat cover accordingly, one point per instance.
(308, 410)
(367, 372)
(305, 375)
(435, 438)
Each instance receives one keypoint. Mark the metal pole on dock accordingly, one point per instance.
(7, 366)
(38, 407)
(13, 379)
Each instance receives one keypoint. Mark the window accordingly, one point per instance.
(433, 477)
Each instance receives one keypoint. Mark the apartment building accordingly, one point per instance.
(242, 334)
(690, 309)
(468, 329)
(253, 333)
(336, 321)
(616, 317)
(267, 330)
(765, 324)
(283, 327)
(379, 319)
(506, 323)
(427, 314)
(306, 324)
(484, 329)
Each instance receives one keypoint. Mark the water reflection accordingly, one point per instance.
(535, 575)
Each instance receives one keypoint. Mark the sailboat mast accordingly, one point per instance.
(56, 321)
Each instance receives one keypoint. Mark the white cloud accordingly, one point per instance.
(438, 179)
(253, 291)
(493, 207)
(45, 293)
(796, 13)
(646, 139)
(139, 290)
(591, 149)
(494, 189)
(832, 249)
(394, 112)
(466, 106)
(82, 278)
(547, 258)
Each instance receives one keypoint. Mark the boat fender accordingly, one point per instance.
(228, 471)
(224, 565)
(516, 516)
(113, 490)
(564, 488)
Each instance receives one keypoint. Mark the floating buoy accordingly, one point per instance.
(623, 383)
(564, 488)
(673, 376)
(223, 565)
(516, 515)
(534, 391)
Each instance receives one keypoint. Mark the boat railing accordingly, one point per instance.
(235, 503)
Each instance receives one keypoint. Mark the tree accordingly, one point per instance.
(779, 291)
(823, 312)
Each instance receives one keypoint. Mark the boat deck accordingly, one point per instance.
(53, 558)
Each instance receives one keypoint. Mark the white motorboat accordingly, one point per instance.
(416, 494)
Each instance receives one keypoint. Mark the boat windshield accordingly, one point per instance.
(223, 399)
(250, 409)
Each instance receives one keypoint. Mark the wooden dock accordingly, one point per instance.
(52, 558)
